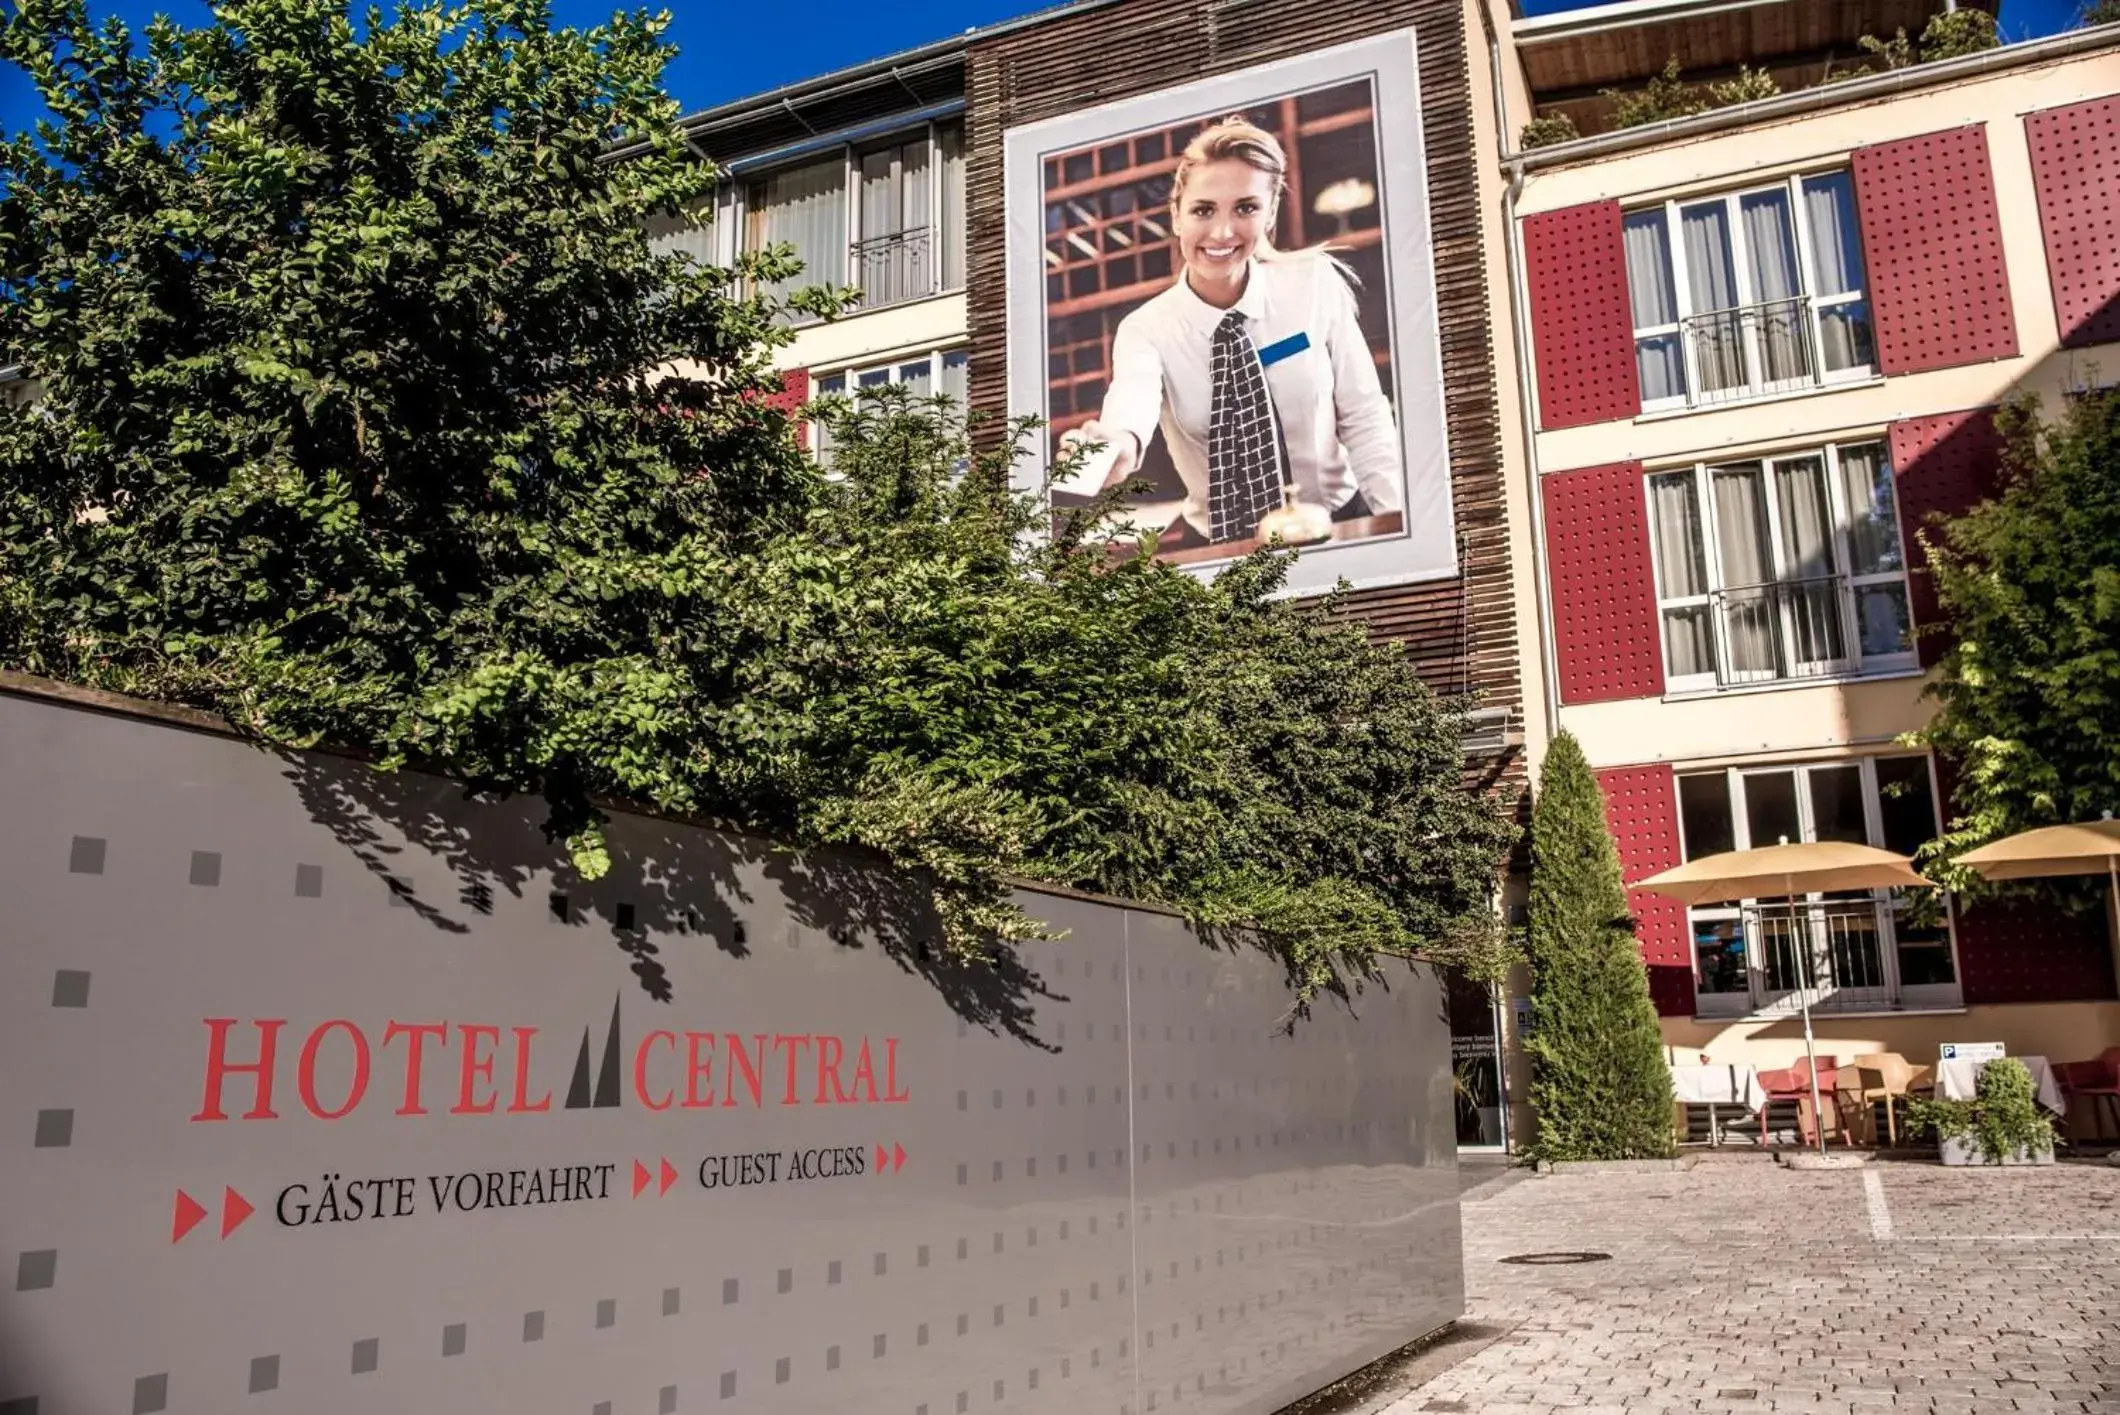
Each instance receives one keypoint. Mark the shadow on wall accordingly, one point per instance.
(666, 879)
(671, 879)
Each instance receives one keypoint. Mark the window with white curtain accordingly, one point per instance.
(1748, 293)
(886, 217)
(804, 207)
(1780, 569)
(945, 371)
(1850, 950)
(950, 153)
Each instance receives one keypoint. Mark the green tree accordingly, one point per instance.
(1112, 724)
(1664, 97)
(1743, 87)
(2100, 12)
(1948, 34)
(2028, 694)
(1550, 128)
(1952, 33)
(370, 417)
(1599, 1082)
(340, 331)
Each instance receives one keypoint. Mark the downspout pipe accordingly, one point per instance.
(1527, 411)
(1505, 148)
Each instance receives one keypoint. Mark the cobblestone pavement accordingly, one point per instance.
(1741, 1286)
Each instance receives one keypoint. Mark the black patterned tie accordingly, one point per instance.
(1244, 463)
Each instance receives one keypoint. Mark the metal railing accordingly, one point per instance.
(892, 269)
(1749, 350)
(1782, 629)
(1843, 943)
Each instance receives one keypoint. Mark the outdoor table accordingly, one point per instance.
(1714, 1086)
(1955, 1081)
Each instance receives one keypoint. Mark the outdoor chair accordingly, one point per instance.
(1882, 1076)
(1794, 1084)
(2095, 1081)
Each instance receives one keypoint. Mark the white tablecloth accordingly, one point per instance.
(1718, 1085)
(1956, 1080)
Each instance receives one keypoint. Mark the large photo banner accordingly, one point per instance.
(1224, 294)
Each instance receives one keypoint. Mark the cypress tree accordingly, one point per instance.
(1599, 1082)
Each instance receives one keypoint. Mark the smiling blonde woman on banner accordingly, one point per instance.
(1253, 365)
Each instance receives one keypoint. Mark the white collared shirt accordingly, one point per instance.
(1336, 422)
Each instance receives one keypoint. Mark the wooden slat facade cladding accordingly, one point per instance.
(1460, 632)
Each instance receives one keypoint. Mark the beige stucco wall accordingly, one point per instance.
(1823, 719)
(1748, 724)
(1516, 84)
(2059, 1031)
(914, 327)
(1508, 385)
(1819, 141)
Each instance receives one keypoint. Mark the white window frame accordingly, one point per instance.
(1792, 187)
(1757, 1000)
(850, 154)
(1722, 675)
(851, 375)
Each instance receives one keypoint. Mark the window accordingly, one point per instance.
(805, 207)
(1855, 950)
(885, 217)
(1783, 568)
(1748, 294)
(922, 375)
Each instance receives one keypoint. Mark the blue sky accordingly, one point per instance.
(729, 49)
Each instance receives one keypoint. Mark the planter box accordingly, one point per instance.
(1967, 1152)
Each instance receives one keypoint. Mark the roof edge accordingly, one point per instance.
(1808, 100)
(1565, 24)
(875, 70)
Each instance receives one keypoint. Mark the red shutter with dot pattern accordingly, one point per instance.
(1641, 807)
(794, 392)
(2075, 171)
(2028, 950)
(2032, 952)
(1932, 241)
(1582, 327)
(1942, 465)
(1604, 584)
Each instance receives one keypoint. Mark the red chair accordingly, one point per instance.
(2094, 1081)
(1794, 1084)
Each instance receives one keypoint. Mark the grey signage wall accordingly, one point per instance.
(324, 1091)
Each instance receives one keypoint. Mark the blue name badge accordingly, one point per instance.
(1281, 349)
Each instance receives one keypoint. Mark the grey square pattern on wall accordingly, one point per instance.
(1118, 1189)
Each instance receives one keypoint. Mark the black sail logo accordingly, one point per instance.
(607, 1075)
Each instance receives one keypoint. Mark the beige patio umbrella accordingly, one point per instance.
(2087, 848)
(1786, 871)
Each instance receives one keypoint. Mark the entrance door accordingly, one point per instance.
(1475, 1067)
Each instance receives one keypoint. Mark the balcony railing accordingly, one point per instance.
(892, 269)
(1783, 629)
(1841, 946)
(1752, 350)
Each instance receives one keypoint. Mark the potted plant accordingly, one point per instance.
(2002, 1124)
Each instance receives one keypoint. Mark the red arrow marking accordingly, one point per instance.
(234, 1209)
(640, 1178)
(897, 1155)
(669, 1177)
(883, 1160)
(189, 1212)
